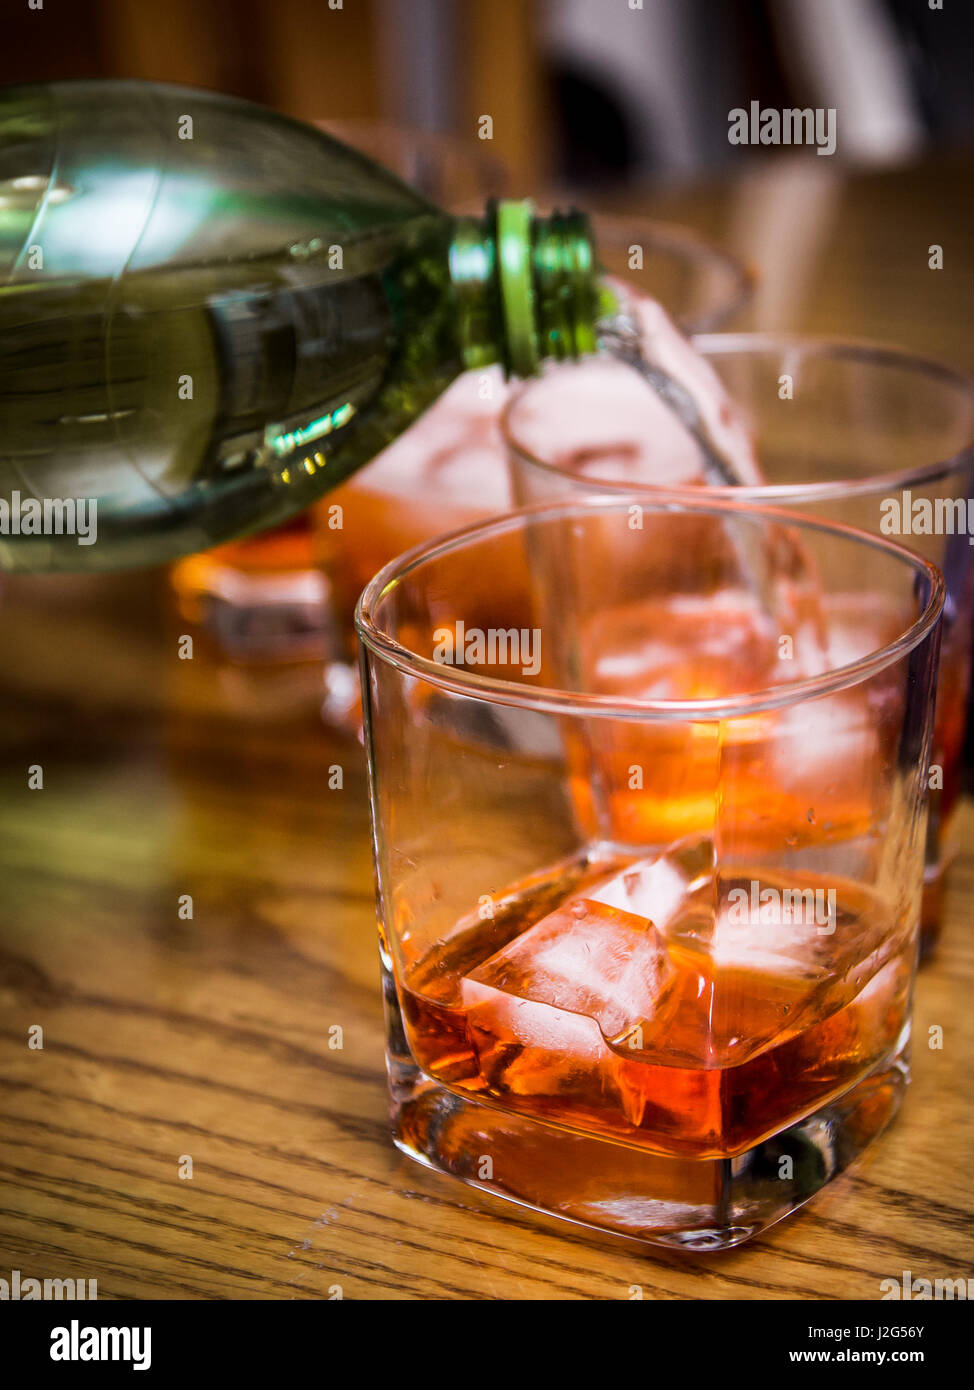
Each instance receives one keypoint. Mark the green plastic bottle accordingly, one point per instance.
(210, 314)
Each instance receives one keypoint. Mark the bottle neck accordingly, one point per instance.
(528, 287)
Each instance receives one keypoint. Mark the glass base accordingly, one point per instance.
(697, 1205)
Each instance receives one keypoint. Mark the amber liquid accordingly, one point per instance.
(728, 1053)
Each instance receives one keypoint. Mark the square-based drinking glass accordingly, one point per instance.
(649, 808)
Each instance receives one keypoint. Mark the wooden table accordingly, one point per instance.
(167, 1039)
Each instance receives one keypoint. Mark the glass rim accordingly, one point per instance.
(551, 700)
(689, 246)
(780, 494)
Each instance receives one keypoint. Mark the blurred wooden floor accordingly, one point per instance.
(166, 1038)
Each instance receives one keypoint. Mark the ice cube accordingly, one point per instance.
(828, 754)
(682, 646)
(601, 418)
(779, 930)
(660, 888)
(453, 455)
(586, 958)
(786, 953)
(666, 347)
(861, 623)
(551, 1037)
(602, 421)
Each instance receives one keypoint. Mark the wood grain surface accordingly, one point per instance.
(212, 1038)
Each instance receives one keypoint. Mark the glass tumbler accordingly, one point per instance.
(649, 822)
(846, 431)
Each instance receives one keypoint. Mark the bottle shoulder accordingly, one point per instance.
(104, 178)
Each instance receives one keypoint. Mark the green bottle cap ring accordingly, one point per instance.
(514, 223)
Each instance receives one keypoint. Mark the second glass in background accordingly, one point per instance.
(853, 432)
